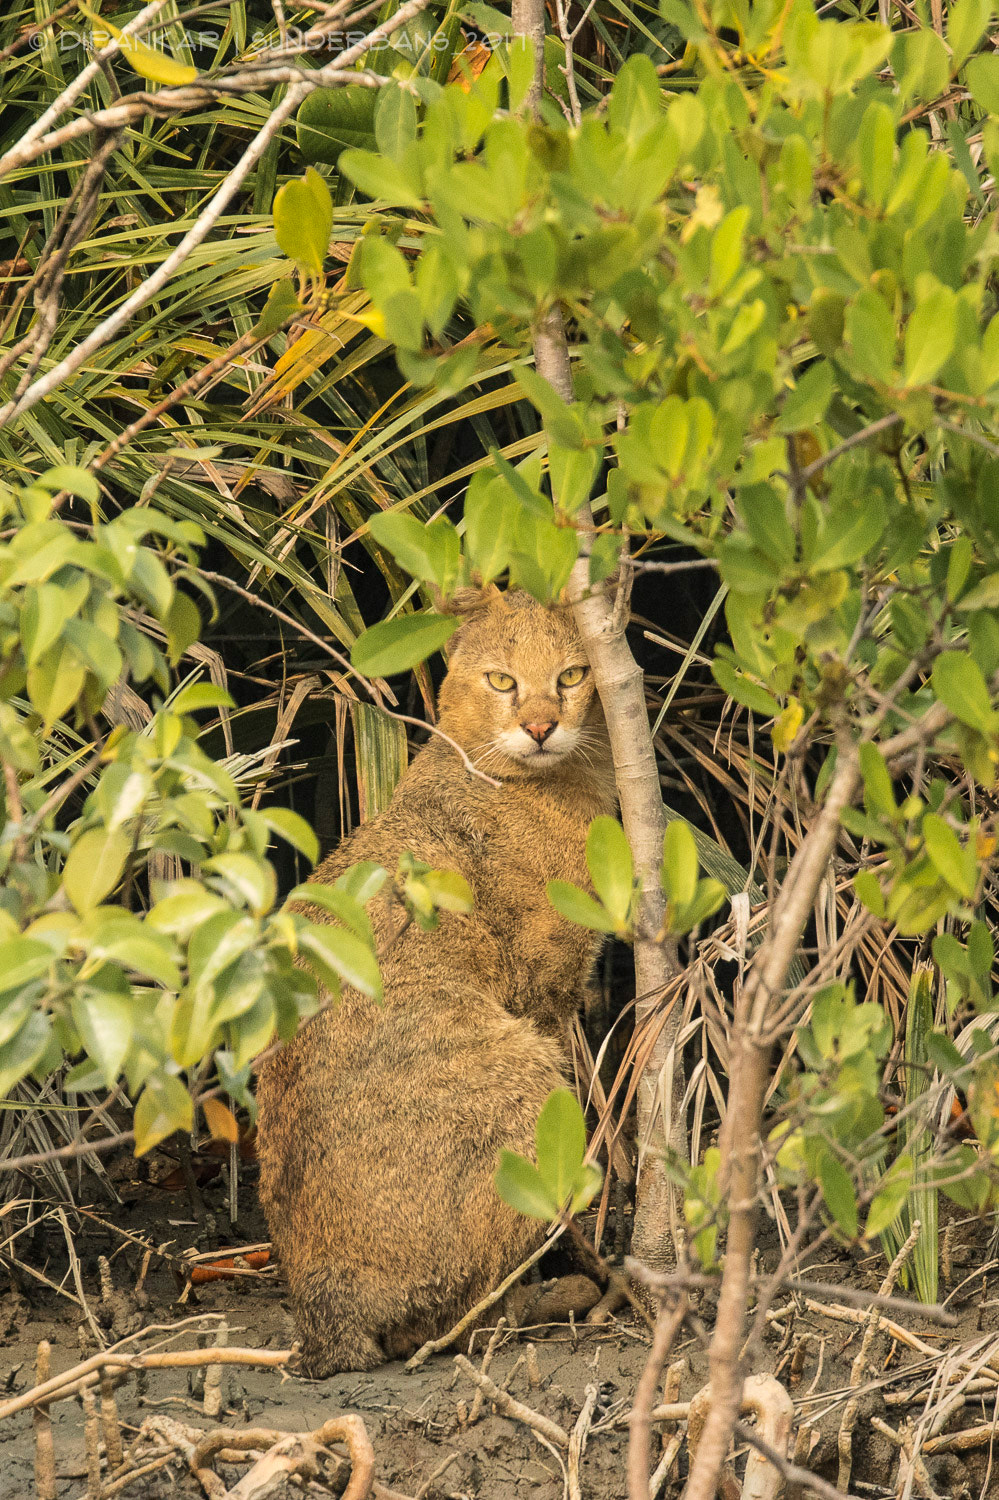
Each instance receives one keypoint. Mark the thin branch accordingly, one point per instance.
(159, 278)
(34, 132)
(883, 424)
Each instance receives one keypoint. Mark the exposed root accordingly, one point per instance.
(86, 1375)
(859, 1369)
(45, 1475)
(475, 1410)
(577, 1442)
(773, 1408)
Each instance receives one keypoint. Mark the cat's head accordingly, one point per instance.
(519, 694)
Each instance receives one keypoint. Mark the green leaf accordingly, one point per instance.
(164, 1107)
(22, 959)
(743, 690)
(448, 890)
(806, 404)
(876, 150)
(929, 336)
(955, 863)
(966, 21)
(959, 563)
(93, 866)
(430, 552)
(282, 303)
(243, 878)
(887, 1204)
(611, 867)
(960, 686)
(709, 897)
(579, 907)
(562, 424)
(399, 644)
(294, 829)
(572, 473)
(869, 892)
(303, 221)
(490, 518)
(920, 63)
(55, 683)
(870, 330)
(183, 626)
(726, 249)
(879, 794)
(585, 1187)
(339, 903)
(395, 121)
(200, 695)
(837, 1190)
(330, 120)
(336, 954)
(519, 1184)
(184, 910)
(982, 76)
(680, 864)
(104, 1021)
(560, 1137)
(984, 594)
(22, 1052)
(75, 481)
(379, 178)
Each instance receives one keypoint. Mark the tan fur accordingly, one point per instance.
(380, 1126)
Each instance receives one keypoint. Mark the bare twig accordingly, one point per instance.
(509, 1407)
(434, 1346)
(668, 1324)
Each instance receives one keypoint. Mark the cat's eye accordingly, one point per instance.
(571, 677)
(501, 681)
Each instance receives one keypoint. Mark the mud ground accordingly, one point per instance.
(418, 1421)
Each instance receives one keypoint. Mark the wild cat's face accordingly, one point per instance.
(519, 691)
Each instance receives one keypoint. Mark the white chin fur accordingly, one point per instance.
(520, 746)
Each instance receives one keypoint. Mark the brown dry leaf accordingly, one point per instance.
(468, 65)
(220, 1120)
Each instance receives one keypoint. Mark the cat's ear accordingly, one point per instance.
(470, 601)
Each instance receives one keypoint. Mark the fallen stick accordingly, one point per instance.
(434, 1346)
(577, 1442)
(168, 1359)
(856, 1315)
(508, 1406)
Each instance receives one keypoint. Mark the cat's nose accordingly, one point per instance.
(540, 732)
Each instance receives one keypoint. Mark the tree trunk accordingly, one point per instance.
(620, 683)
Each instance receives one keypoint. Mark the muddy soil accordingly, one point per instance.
(419, 1421)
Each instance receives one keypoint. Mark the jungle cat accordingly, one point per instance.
(380, 1125)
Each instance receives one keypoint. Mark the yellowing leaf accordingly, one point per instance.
(158, 67)
(93, 866)
(220, 1120)
(786, 726)
(164, 1106)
